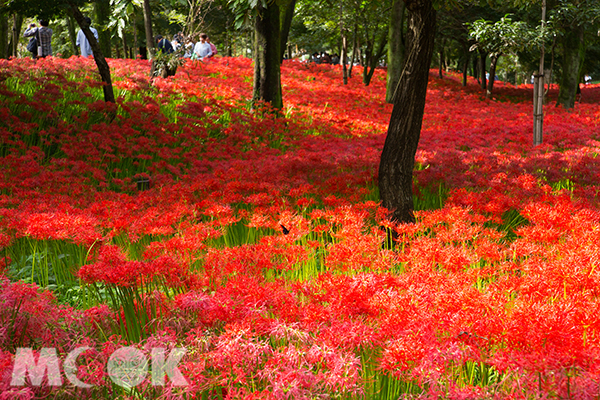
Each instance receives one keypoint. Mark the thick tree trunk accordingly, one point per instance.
(396, 49)
(102, 9)
(574, 52)
(267, 56)
(101, 63)
(490, 85)
(72, 35)
(148, 28)
(398, 156)
(286, 24)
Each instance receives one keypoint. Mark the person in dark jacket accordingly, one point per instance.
(163, 45)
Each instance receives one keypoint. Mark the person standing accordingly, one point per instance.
(163, 45)
(83, 42)
(43, 34)
(202, 49)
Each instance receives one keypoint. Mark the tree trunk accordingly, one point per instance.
(396, 49)
(490, 85)
(574, 52)
(148, 28)
(267, 56)
(286, 24)
(344, 57)
(125, 47)
(344, 47)
(483, 82)
(4, 42)
(372, 60)
(354, 50)
(466, 64)
(136, 44)
(441, 66)
(16, 34)
(101, 63)
(102, 10)
(72, 35)
(398, 155)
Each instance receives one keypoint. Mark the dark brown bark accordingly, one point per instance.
(396, 49)
(4, 43)
(286, 24)
(372, 58)
(101, 63)
(465, 71)
(267, 56)
(148, 28)
(483, 81)
(16, 34)
(574, 52)
(103, 11)
(398, 155)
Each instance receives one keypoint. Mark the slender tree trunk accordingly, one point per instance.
(490, 85)
(373, 60)
(344, 57)
(148, 28)
(102, 9)
(72, 34)
(398, 156)
(136, 43)
(466, 64)
(354, 50)
(368, 56)
(482, 58)
(344, 48)
(396, 49)
(267, 56)
(574, 52)
(4, 42)
(441, 66)
(101, 63)
(125, 47)
(538, 90)
(286, 24)
(16, 34)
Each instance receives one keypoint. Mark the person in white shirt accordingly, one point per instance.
(83, 43)
(202, 49)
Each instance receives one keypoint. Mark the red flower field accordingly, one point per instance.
(178, 218)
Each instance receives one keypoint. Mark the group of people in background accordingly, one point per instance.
(40, 43)
(325, 58)
(40, 39)
(196, 51)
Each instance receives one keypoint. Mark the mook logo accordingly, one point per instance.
(126, 367)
